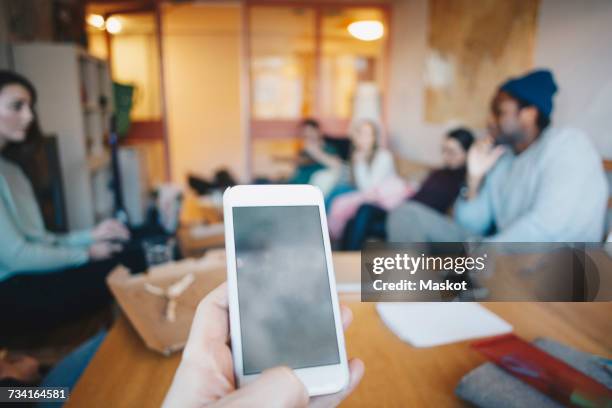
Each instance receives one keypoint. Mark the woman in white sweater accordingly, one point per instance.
(372, 178)
(370, 163)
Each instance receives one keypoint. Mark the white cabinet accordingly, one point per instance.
(74, 103)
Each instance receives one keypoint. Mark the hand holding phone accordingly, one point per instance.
(206, 373)
(283, 302)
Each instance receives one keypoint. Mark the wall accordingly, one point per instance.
(202, 72)
(136, 62)
(21, 21)
(573, 39)
(471, 50)
(410, 136)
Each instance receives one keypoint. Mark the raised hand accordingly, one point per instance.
(482, 157)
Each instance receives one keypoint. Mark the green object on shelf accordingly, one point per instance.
(123, 96)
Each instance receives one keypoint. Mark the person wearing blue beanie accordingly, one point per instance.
(526, 180)
(519, 102)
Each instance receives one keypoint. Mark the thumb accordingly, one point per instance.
(275, 388)
(497, 152)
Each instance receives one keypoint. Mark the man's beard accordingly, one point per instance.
(510, 139)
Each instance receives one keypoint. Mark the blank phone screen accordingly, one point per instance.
(286, 314)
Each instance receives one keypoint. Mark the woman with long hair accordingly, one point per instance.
(372, 178)
(370, 162)
(45, 278)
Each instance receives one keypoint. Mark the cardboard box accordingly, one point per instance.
(147, 311)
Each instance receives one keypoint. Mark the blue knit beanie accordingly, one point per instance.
(536, 88)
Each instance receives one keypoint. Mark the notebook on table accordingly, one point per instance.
(490, 386)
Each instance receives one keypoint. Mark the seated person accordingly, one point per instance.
(526, 181)
(205, 376)
(438, 192)
(316, 155)
(370, 162)
(371, 169)
(45, 278)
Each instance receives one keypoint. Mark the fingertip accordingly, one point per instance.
(357, 364)
(356, 370)
(216, 298)
(220, 293)
(347, 316)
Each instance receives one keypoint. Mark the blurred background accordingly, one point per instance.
(200, 86)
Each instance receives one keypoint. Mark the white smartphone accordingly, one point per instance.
(283, 302)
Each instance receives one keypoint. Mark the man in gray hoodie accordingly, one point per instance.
(526, 181)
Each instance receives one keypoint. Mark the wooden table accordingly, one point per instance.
(125, 374)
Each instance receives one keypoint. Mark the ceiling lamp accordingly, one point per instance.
(367, 30)
(113, 25)
(96, 20)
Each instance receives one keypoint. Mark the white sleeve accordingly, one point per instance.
(20, 255)
(369, 176)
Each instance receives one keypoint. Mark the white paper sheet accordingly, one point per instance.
(434, 324)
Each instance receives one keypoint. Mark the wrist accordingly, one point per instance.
(472, 186)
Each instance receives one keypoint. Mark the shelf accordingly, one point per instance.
(84, 81)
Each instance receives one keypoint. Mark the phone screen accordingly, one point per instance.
(286, 314)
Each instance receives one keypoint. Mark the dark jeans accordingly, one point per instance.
(35, 302)
(368, 222)
(415, 222)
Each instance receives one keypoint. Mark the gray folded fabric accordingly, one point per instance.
(489, 386)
